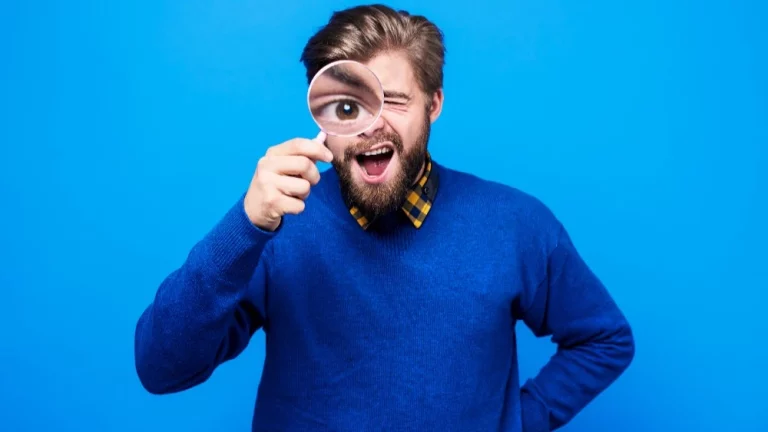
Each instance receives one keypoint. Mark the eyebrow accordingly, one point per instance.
(341, 75)
(396, 95)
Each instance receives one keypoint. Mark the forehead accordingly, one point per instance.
(395, 72)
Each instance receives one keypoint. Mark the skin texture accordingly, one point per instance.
(405, 123)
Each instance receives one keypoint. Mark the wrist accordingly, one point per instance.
(234, 245)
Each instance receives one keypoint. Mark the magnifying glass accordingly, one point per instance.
(345, 98)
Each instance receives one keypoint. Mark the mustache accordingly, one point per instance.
(366, 144)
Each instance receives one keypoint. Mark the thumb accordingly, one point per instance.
(320, 139)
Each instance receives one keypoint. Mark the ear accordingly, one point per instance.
(436, 106)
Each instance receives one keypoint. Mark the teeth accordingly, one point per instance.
(378, 152)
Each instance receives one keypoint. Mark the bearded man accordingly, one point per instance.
(389, 294)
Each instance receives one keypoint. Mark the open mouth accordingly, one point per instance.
(374, 163)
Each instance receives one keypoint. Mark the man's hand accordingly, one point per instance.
(283, 178)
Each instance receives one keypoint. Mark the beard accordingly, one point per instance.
(376, 200)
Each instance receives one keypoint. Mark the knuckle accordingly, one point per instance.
(292, 145)
(302, 144)
(261, 178)
(310, 148)
(263, 162)
(270, 197)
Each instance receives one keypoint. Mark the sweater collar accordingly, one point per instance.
(418, 202)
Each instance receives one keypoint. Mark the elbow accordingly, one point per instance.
(611, 346)
(150, 369)
(630, 349)
(152, 382)
(624, 346)
(154, 375)
(159, 368)
(160, 377)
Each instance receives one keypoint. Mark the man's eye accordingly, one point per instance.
(347, 110)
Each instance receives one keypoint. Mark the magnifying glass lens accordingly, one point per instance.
(345, 98)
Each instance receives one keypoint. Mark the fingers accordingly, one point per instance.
(290, 205)
(300, 166)
(314, 149)
(283, 179)
(292, 186)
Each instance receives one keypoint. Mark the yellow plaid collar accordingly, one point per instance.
(418, 202)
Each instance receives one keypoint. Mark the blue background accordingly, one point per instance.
(128, 128)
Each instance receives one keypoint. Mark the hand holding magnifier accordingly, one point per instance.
(345, 99)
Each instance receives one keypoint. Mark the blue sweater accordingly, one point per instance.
(393, 328)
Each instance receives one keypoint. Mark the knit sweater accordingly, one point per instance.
(392, 328)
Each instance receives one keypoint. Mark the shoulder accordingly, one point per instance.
(504, 205)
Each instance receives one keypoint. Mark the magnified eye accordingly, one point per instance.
(345, 98)
(343, 110)
(347, 110)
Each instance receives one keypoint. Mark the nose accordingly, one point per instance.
(377, 126)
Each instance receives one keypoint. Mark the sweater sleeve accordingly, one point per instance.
(594, 340)
(205, 312)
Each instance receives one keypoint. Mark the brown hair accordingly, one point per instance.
(362, 32)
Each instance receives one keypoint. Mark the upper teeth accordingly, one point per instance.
(376, 152)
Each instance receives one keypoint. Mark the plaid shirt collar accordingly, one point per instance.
(418, 202)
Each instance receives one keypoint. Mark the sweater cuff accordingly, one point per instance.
(235, 245)
(535, 415)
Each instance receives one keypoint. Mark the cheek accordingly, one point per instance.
(401, 125)
(410, 131)
(336, 145)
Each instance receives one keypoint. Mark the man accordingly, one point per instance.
(389, 286)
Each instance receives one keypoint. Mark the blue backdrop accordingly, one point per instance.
(128, 128)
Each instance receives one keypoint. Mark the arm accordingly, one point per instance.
(205, 312)
(594, 341)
